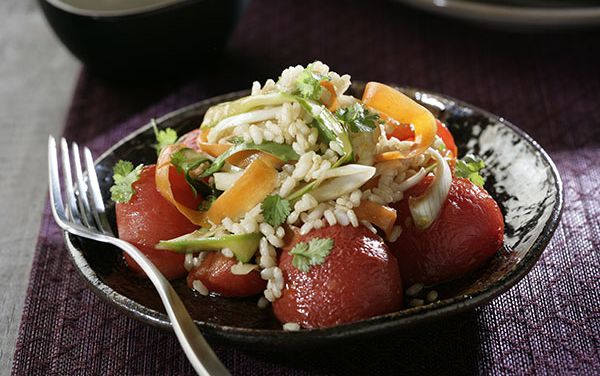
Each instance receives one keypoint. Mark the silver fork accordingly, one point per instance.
(85, 216)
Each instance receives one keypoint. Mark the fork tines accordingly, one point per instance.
(84, 205)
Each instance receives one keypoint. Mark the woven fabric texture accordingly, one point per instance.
(548, 84)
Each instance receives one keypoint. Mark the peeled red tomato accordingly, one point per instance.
(468, 232)
(148, 218)
(215, 273)
(358, 279)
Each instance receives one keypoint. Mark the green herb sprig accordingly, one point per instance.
(358, 119)
(186, 160)
(469, 167)
(164, 137)
(275, 210)
(124, 175)
(306, 255)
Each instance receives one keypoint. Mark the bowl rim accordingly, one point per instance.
(97, 13)
(529, 16)
(391, 321)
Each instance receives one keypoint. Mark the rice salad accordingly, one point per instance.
(296, 157)
(290, 124)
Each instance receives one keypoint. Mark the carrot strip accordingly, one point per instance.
(257, 181)
(389, 156)
(271, 160)
(163, 185)
(381, 216)
(372, 183)
(202, 136)
(244, 158)
(391, 102)
(241, 159)
(211, 149)
(214, 149)
(331, 102)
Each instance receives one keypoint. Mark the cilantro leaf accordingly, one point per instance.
(124, 175)
(275, 210)
(313, 253)
(469, 167)
(185, 161)
(358, 119)
(164, 137)
(309, 85)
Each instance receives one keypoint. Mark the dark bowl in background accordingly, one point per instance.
(160, 39)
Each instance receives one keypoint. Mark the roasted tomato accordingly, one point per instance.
(358, 279)
(148, 218)
(467, 233)
(215, 273)
(404, 133)
(447, 137)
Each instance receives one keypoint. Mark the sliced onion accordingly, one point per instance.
(342, 180)
(426, 208)
(245, 118)
(227, 109)
(224, 180)
(163, 185)
(413, 180)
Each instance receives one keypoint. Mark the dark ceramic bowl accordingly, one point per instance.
(154, 36)
(520, 176)
(519, 15)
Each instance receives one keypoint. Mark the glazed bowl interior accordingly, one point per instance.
(520, 176)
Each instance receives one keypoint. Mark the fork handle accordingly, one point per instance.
(197, 350)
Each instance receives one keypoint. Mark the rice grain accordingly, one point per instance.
(200, 288)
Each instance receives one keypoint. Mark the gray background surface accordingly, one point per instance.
(37, 76)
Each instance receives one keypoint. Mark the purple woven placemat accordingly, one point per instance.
(547, 84)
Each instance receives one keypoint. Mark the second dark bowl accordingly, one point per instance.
(161, 39)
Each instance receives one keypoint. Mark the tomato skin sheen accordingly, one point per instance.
(215, 273)
(148, 218)
(358, 279)
(468, 232)
(447, 137)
